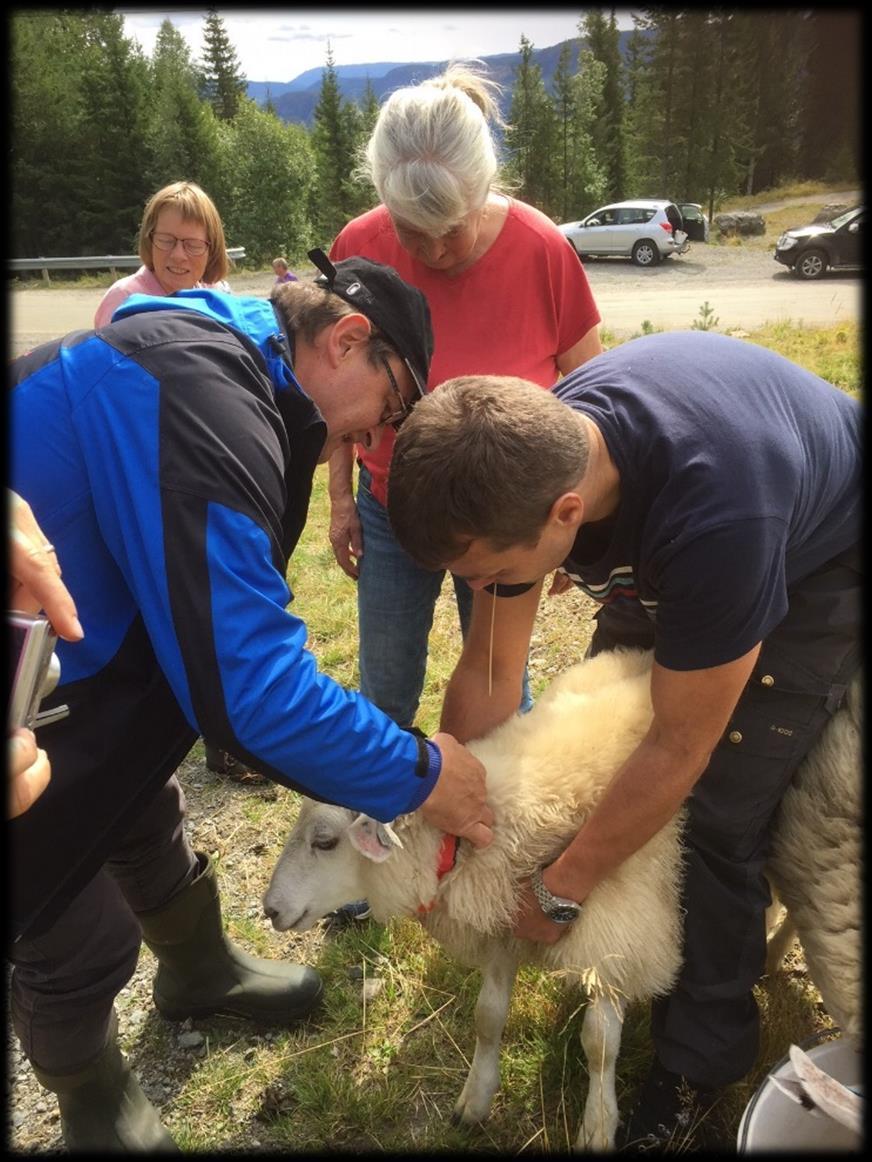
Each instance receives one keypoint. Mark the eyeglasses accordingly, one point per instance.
(194, 247)
(397, 418)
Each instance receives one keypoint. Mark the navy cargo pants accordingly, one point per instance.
(708, 1028)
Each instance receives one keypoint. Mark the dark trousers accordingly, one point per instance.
(708, 1028)
(65, 981)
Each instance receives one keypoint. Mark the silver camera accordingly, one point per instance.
(35, 669)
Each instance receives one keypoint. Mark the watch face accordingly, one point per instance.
(563, 913)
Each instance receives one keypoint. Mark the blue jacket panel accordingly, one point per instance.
(169, 457)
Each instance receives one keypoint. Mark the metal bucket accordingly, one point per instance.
(772, 1121)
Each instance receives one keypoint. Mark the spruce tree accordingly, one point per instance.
(224, 82)
(603, 43)
(333, 160)
(531, 136)
(182, 128)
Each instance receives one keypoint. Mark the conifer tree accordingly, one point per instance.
(114, 94)
(48, 132)
(531, 135)
(603, 43)
(333, 157)
(182, 130)
(224, 82)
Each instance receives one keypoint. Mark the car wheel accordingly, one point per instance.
(812, 264)
(645, 253)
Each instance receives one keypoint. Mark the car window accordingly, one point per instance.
(673, 215)
(691, 214)
(848, 216)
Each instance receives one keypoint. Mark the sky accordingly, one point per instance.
(280, 43)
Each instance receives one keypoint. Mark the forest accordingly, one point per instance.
(704, 104)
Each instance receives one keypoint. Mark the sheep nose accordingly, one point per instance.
(270, 912)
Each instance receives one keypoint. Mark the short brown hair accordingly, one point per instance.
(194, 203)
(481, 457)
(306, 309)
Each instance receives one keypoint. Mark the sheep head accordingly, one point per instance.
(321, 865)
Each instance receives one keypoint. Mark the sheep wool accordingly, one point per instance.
(816, 863)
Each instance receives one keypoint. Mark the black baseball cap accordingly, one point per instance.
(398, 310)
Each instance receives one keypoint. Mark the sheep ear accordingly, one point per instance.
(373, 839)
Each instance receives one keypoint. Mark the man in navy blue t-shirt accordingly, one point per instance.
(707, 493)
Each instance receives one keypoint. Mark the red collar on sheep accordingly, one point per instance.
(445, 863)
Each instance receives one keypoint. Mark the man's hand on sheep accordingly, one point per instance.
(457, 803)
(533, 924)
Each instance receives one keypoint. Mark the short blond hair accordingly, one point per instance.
(194, 203)
(482, 457)
(431, 155)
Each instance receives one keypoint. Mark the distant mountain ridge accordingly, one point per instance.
(296, 100)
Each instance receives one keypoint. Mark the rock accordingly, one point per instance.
(372, 987)
(829, 211)
(740, 222)
(191, 1040)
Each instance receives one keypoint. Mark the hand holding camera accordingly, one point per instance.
(34, 584)
(34, 673)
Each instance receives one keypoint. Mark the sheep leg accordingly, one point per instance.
(601, 1040)
(491, 1011)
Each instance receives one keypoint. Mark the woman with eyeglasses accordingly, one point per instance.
(181, 244)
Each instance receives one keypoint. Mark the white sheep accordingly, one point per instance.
(546, 770)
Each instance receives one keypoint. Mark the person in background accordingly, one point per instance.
(34, 585)
(182, 247)
(283, 271)
(170, 457)
(507, 296)
(708, 494)
(181, 244)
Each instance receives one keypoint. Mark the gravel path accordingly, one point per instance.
(743, 285)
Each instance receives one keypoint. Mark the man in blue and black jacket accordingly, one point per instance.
(169, 459)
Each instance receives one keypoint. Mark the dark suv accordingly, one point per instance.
(811, 251)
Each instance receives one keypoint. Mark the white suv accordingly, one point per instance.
(641, 229)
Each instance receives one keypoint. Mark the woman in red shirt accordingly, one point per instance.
(507, 296)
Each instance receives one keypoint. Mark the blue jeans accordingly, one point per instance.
(396, 600)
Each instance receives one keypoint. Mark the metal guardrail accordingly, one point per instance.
(112, 262)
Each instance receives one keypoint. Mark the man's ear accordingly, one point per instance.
(347, 334)
(567, 511)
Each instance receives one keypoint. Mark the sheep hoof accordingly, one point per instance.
(468, 1111)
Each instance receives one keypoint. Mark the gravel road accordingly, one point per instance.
(744, 287)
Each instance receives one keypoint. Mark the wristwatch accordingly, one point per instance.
(556, 908)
